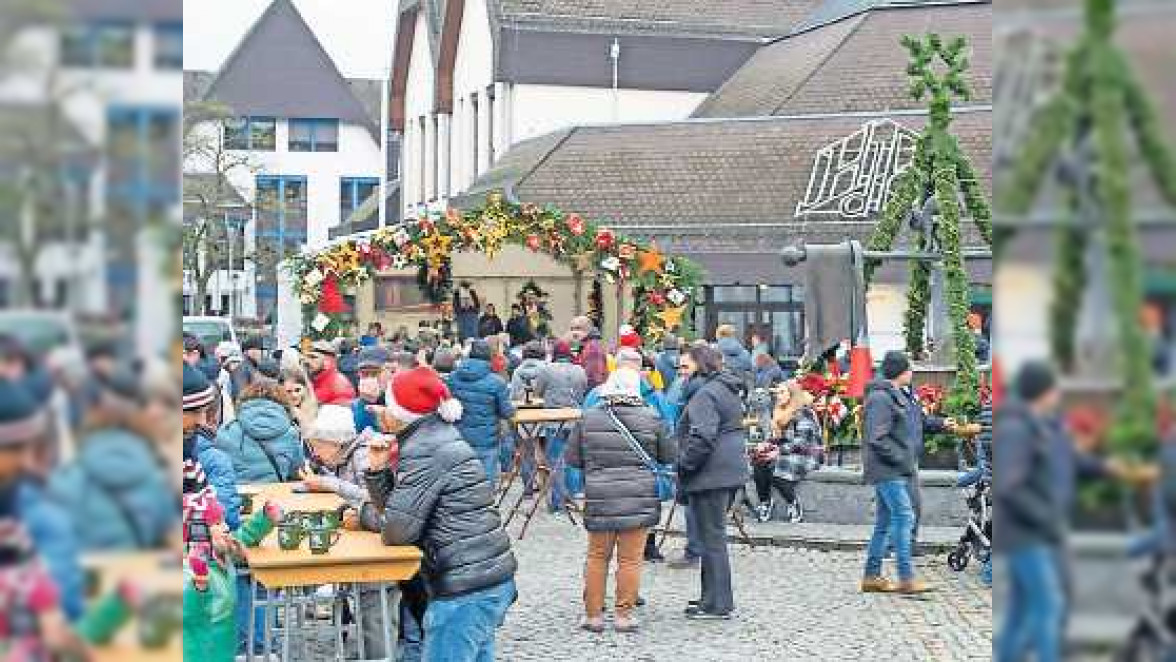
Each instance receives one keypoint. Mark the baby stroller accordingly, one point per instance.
(976, 540)
(1153, 637)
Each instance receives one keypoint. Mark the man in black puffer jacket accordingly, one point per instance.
(439, 499)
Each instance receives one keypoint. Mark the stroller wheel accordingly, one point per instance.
(983, 554)
(1142, 646)
(957, 561)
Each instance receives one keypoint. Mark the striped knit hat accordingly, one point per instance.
(21, 420)
(198, 391)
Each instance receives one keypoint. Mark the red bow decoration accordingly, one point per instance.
(815, 383)
(533, 242)
(331, 301)
(604, 239)
(575, 225)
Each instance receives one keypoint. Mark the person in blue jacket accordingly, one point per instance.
(198, 422)
(485, 401)
(263, 442)
(22, 427)
(118, 488)
(374, 377)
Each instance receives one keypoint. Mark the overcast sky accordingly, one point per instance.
(356, 33)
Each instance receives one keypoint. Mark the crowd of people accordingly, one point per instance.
(415, 436)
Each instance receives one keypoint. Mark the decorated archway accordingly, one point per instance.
(661, 286)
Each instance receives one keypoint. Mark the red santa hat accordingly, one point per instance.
(419, 392)
(628, 337)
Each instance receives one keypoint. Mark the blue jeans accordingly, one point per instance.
(242, 614)
(555, 462)
(461, 629)
(1033, 620)
(693, 541)
(894, 519)
(411, 636)
(489, 458)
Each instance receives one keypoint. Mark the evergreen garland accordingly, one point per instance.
(941, 169)
(1069, 281)
(1100, 90)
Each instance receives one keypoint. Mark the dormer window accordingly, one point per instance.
(255, 134)
(314, 135)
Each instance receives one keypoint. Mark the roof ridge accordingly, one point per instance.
(861, 20)
(868, 6)
(269, 14)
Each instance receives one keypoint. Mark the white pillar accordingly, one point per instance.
(483, 121)
(430, 145)
(444, 166)
(501, 143)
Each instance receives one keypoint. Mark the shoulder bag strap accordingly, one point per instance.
(633, 443)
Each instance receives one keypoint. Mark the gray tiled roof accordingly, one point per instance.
(281, 69)
(368, 91)
(712, 180)
(203, 185)
(855, 64)
(744, 18)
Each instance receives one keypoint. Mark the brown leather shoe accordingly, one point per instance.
(913, 587)
(877, 585)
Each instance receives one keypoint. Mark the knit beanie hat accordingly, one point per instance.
(269, 368)
(373, 357)
(894, 364)
(561, 350)
(202, 507)
(198, 391)
(419, 392)
(333, 423)
(21, 420)
(480, 349)
(1034, 379)
(628, 337)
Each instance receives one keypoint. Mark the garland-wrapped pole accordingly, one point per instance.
(941, 172)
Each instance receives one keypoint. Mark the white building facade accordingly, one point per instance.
(305, 146)
(471, 79)
(113, 73)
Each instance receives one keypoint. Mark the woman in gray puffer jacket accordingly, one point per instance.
(620, 494)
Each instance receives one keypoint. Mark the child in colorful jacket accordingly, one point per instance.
(210, 596)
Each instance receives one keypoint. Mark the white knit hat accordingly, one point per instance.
(333, 423)
(623, 382)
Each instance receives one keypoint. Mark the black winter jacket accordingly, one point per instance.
(711, 439)
(442, 503)
(889, 451)
(1027, 509)
(619, 490)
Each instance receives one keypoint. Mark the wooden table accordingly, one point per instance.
(155, 572)
(358, 557)
(158, 573)
(528, 422)
(284, 495)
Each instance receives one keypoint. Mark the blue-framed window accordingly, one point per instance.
(353, 191)
(169, 46)
(257, 134)
(143, 155)
(281, 213)
(314, 135)
(106, 45)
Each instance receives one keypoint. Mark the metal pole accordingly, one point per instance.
(614, 54)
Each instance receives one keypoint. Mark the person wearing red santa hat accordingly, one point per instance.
(628, 337)
(440, 500)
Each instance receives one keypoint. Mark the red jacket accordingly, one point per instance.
(331, 387)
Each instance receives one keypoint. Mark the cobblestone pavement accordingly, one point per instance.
(791, 604)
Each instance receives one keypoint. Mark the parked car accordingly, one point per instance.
(41, 331)
(211, 331)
